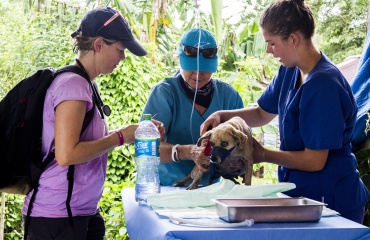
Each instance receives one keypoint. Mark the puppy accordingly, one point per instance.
(231, 155)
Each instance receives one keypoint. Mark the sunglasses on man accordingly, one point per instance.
(193, 51)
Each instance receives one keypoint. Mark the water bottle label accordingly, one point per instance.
(147, 147)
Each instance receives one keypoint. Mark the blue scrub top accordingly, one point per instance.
(169, 103)
(318, 115)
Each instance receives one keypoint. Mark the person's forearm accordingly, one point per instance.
(85, 151)
(306, 160)
(253, 116)
(88, 150)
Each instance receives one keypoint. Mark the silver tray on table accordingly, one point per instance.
(269, 209)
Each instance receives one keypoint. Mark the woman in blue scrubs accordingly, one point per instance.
(316, 112)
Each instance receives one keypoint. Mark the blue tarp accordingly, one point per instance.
(361, 90)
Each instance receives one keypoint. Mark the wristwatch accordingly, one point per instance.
(174, 154)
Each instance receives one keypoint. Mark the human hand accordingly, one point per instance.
(197, 154)
(212, 121)
(160, 127)
(128, 131)
(259, 152)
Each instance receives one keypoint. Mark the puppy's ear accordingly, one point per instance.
(207, 135)
(240, 137)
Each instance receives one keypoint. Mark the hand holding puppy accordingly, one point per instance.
(211, 122)
(258, 152)
(200, 155)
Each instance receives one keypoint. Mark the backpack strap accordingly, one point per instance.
(71, 169)
(70, 178)
(88, 117)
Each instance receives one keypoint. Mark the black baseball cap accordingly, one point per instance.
(110, 24)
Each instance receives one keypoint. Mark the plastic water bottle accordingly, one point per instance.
(147, 139)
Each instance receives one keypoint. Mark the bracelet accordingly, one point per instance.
(121, 139)
(174, 154)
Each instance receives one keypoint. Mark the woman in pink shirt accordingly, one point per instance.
(100, 43)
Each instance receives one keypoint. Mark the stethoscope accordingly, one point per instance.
(103, 108)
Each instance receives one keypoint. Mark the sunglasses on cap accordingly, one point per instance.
(117, 14)
(193, 51)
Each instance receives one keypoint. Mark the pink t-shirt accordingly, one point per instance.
(89, 177)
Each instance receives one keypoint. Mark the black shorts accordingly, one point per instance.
(85, 227)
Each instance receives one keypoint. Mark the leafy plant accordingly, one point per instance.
(13, 229)
(363, 161)
(31, 42)
(113, 212)
(251, 77)
(341, 26)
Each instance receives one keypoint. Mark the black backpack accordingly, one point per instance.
(21, 119)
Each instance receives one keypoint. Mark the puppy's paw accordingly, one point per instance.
(191, 187)
(178, 184)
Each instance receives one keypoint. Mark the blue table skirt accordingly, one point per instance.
(143, 223)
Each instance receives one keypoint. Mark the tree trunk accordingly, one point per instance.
(2, 216)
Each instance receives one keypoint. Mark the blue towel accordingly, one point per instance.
(361, 90)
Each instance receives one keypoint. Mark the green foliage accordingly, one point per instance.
(30, 42)
(341, 26)
(363, 160)
(112, 211)
(13, 229)
(251, 77)
(269, 174)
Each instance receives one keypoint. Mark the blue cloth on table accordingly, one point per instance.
(367, 237)
(361, 90)
(144, 224)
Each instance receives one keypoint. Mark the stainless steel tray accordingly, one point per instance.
(269, 209)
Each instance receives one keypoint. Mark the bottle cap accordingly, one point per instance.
(147, 117)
